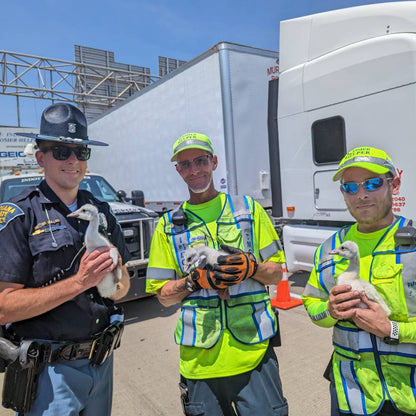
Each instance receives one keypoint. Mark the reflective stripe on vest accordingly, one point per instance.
(355, 348)
(180, 239)
(326, 266)
(407, 257)
(325, 269)
(352, 390)
(241, 218)
(157, 273)
(249, 317)
(249, 299)
(270, 250)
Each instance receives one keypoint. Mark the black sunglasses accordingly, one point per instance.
(64, 152)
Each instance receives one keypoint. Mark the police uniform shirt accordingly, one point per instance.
(34, 250)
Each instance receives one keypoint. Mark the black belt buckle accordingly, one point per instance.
(106, 343)
(71, 351)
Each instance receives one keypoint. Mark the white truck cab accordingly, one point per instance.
(347, 79)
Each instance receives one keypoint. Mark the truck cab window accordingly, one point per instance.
(328, 140)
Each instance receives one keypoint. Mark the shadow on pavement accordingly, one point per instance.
(146, 308)
(299, 279)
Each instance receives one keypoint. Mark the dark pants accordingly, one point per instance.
(258, 392)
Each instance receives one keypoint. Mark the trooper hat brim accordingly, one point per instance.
(63, 123)
(67, 140)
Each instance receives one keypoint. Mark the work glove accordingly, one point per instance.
(210, 279)
(238, 264)
(204, 276)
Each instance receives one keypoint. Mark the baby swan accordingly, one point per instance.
(93, 239)
(351, 276)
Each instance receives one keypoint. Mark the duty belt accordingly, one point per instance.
(71, 351)
(97, 350)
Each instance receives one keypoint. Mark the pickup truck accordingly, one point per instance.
(137, 222)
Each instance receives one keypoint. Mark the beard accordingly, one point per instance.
(202, 190)
(382, 212)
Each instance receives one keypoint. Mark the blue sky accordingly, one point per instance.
(138, 31)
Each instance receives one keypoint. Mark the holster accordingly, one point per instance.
(3, 362)
(184, 396)
(21, 376)
(106, 343)
(328, 373)
(276, 340)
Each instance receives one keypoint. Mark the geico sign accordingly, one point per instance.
(12, 154)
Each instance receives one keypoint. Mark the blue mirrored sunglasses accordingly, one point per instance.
(369, 185)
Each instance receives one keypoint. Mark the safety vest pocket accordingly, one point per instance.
(384, 272)
(387, 279)
(238, 233)
(358, 391)
(198, 326)
(251, 323)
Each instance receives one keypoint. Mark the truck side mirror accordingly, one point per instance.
(122, 195)
(137, 198)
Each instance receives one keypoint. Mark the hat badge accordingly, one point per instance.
(72, 127)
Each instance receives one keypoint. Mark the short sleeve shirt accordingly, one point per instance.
(39, 245)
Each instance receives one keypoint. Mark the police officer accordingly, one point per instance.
(47, 280)
(227, 362)
(374, 361)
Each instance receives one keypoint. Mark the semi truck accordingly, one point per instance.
(347, 79)
(281, 122)
(221, 93)
(19, 169)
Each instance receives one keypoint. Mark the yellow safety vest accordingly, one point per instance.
(368, 371)
(248, 314)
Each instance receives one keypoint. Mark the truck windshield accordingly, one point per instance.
(95, 184)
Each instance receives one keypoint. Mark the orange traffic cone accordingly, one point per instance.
(283, 299)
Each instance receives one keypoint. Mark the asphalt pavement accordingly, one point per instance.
(146, 364)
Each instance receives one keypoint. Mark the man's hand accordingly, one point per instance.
(210, 279)
(94, 266)
(343, 302)
(372, 319)
(237, 264)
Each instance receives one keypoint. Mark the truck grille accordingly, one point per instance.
(137, 235)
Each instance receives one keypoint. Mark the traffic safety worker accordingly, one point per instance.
(373, 368)
(227, 363)
(47, 280)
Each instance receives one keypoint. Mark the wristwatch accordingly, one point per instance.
(393, 339)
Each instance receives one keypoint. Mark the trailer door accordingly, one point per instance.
(327, 195)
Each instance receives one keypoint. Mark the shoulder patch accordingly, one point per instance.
(8, 211)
